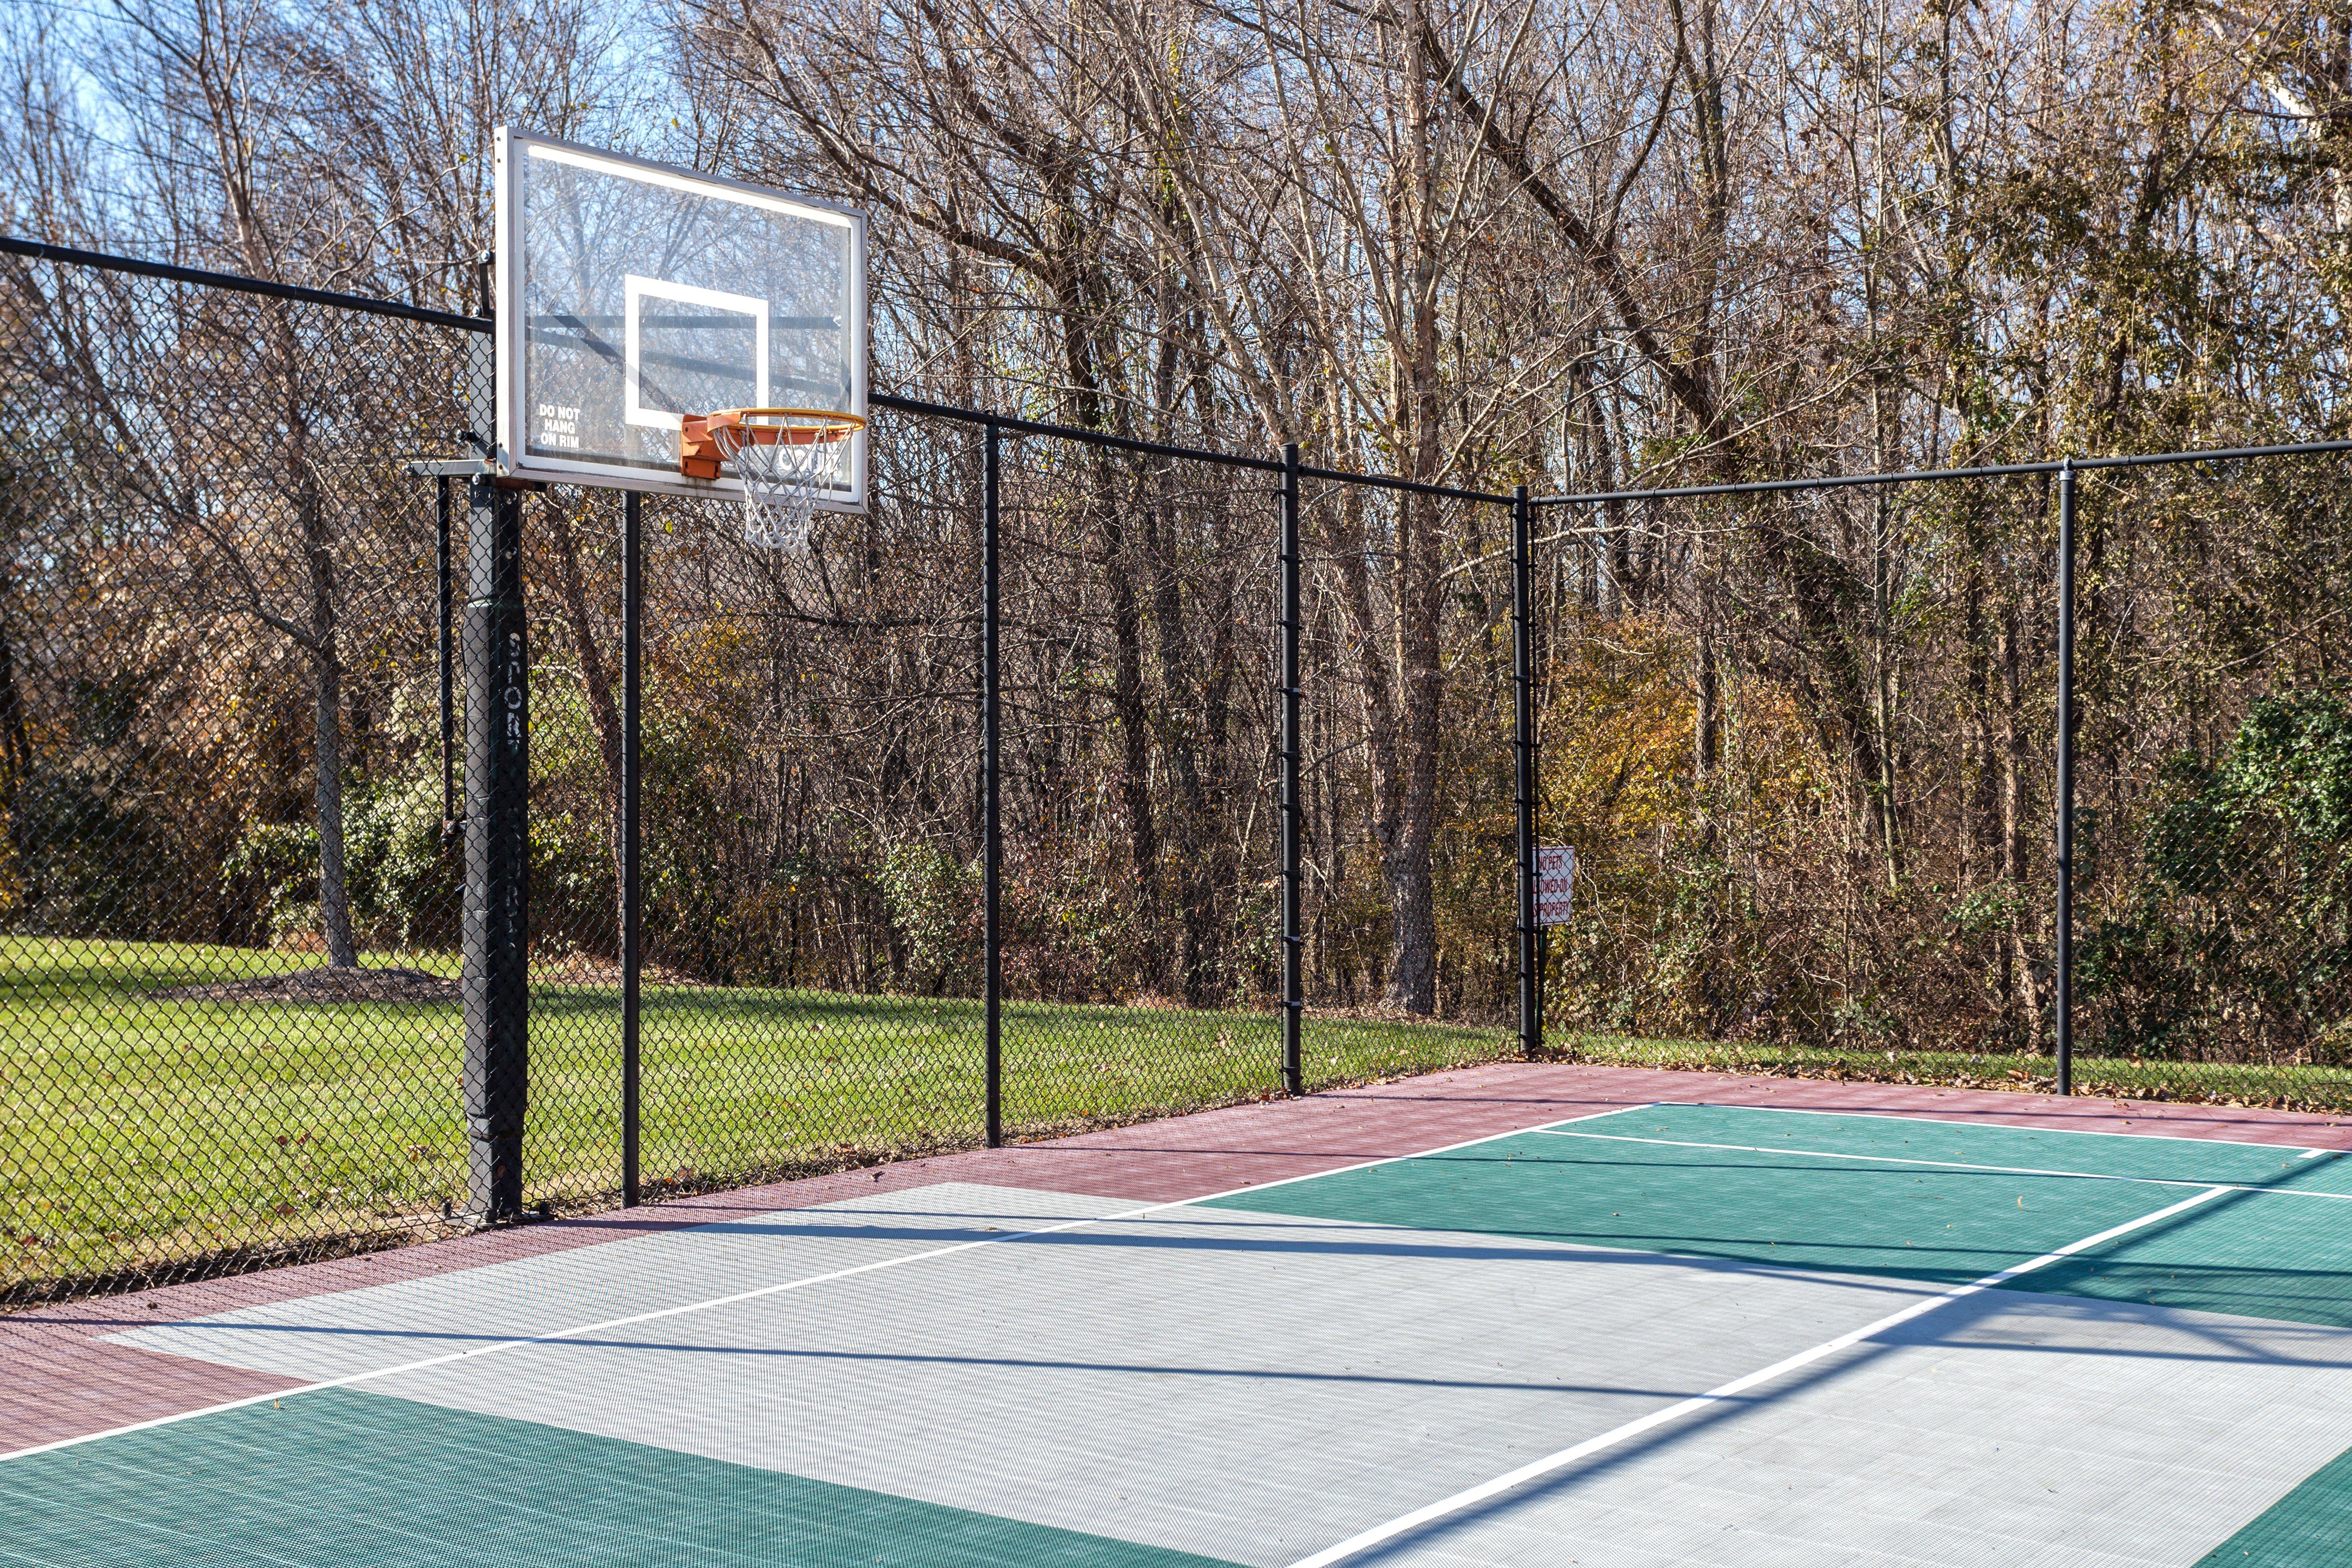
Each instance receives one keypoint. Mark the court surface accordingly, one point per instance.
(1631, 1334)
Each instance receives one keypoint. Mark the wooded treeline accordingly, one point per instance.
(1803, 744)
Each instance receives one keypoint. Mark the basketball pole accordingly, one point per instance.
(498, 866)
(633, 620)
(990, 759)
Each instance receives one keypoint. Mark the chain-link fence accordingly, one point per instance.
(1864, 883)
(811, 829)
(1855, 883)
(239, 796)
(1138, 836)
(1814, 831)
(221, 776)
(2213, 767)
(1409, 907)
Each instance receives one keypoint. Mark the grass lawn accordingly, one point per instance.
(138, 1134)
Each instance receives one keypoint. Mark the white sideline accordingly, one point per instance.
(1430, 1513)
(1956, 1122)
(776, 1289)
(1957, 1164)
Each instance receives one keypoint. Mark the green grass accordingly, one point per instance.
(139, 1136)
(2290, 1087)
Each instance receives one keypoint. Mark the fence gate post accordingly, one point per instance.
(633, 619)
(1294, 938)
(1523, 747)
(991, 829)
(2065, 932)
(498, 894)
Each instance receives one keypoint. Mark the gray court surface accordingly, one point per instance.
(1180, 1379)
(1255, 1387)
(2003, 1428)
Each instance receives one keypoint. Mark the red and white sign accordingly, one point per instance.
(1555, 880)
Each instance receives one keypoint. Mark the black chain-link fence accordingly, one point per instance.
(810, 828)
(1864, 884)
(2213, 845)
(1814, 834)
(220, 613)
(1140, 969)
(233, 693)
(1409, 907)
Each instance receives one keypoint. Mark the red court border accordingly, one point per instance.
(60, 1378)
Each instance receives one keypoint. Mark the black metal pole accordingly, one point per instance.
(1523, 747)
(991, 830)
(1294, 938)
(633, 620)
(2065, 965)
(448, 668)
(497, 895)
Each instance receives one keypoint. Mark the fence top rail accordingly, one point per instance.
(39, 250)
(1917, 476)
(1021, 427)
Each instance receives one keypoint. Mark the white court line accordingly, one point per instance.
(607, 1324)
(1955, 1122)
(1949, 1164)
(1432, 1512)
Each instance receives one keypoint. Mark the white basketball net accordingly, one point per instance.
(787, 459)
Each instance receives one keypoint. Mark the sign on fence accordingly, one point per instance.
(1555, 878)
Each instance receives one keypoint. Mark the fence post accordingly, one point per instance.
(633, 617)
(2065, 933)
(1523, 747)
(497, 895)
(991, 828)
(1294, 938)
(447, 663)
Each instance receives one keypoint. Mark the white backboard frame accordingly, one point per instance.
(512, 457)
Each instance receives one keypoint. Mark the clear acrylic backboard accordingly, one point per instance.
(631, 293)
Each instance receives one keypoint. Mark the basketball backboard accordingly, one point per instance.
(630, 293)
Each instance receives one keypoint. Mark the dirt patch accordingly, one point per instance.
(322, 986)
(580, 969)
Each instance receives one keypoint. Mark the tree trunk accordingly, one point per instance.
(326, 717)
(1347, 546)
(595, 683)
(1408, 830)
(15, 758)
(1706, 718)
(2018, 977)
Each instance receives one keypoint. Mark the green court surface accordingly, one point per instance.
(1896, 1199)
(299, 1480)
(1669, 1334)
(2310, 1527)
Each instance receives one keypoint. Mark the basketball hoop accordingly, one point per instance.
(787, 459)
